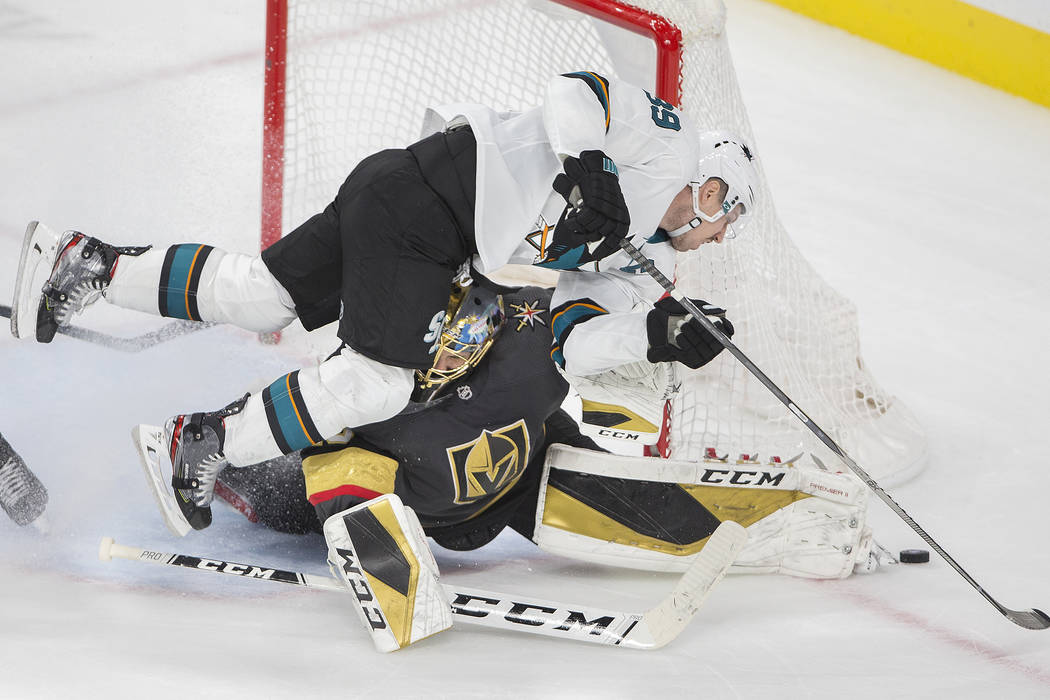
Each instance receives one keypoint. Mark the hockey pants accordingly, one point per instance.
(203, 283)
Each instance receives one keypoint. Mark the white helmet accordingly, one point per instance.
(728, 158)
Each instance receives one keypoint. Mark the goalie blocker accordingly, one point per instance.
(651, 514)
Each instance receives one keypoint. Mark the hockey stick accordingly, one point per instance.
(648, 630)
(1033, 619)
(136, 344)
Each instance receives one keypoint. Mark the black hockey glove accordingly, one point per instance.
(601, 212)
(672, 339)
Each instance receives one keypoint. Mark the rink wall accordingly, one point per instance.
(974, 42)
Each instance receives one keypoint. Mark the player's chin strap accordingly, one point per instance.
(686, 227)
(699, 216)
(1033, 619)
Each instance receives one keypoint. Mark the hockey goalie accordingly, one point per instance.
(486, 445)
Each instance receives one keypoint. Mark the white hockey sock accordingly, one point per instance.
(202, 283)
(311, 404)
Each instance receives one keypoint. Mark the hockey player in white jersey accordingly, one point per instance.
(381, 256)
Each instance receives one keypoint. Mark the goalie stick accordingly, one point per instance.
(651, 629)
(1033, 619)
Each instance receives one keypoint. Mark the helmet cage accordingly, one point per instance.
(472, 322)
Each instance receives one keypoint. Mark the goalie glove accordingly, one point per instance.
(591, 185)
(674, 335)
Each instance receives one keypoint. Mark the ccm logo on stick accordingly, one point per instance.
(519, 613)
(228, 567)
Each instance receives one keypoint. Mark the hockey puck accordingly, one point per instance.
(914, 556)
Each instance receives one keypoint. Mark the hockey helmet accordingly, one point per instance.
(472, 322)
(729, 159)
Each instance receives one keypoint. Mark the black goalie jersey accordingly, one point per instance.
(460, 454)
(468, 458)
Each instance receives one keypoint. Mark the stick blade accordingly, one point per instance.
(1033, 619)
(667, 620)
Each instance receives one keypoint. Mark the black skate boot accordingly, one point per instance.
(195, 443)
(82, 270)
(22, 496)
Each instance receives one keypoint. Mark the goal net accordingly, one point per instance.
(346, 79)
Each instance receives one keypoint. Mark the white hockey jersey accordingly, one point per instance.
(654, 147)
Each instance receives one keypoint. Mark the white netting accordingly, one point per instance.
(360, 75)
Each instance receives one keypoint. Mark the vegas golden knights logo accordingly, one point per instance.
(490, 463)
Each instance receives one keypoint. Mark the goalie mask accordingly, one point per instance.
(729, 159)
(472, 321)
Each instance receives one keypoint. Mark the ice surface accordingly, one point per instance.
(919, 194)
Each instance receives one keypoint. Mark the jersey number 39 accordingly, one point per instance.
(663, 113)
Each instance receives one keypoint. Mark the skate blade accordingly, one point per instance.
(38, 246)
(149, 441)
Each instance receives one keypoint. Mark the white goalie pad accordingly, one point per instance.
(378, 550)
(39, 247)
(626, 402)
(655, 514)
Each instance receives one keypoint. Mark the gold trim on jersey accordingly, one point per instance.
(349, 466)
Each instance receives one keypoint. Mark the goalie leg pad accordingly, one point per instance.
(657, 514)
(379, 551)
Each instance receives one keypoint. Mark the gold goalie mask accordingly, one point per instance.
(472, 322)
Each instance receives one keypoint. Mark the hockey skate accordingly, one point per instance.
(81, 269)
(193, 444)
(22, 495)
